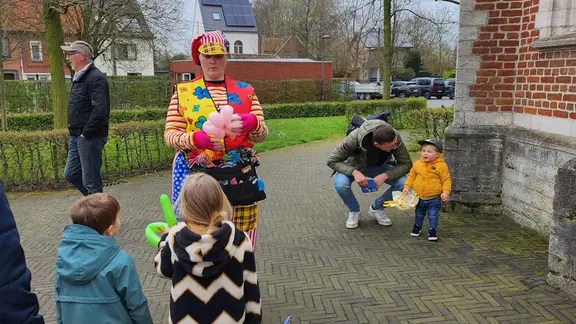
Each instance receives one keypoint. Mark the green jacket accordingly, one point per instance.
(352, 153)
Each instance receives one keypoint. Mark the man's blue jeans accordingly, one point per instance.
(83, 167)
(343, 185)
(430, 206)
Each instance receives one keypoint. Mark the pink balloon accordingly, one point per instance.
(220, 133)
(216, 119)
(226, 113)
(231, 126)
(209, 128)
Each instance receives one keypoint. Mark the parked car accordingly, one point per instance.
(450, 87)
(403, 89)
(431, 87)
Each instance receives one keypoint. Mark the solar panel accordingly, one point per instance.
(240, 21)
(250, 21)
(227, 10)
(230, 20)
(237, 10)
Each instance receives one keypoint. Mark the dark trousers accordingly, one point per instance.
(84, 164)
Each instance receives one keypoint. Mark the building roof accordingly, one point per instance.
(373, 41)
(228, 15)
(253, 56)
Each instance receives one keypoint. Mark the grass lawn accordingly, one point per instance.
(288, 132)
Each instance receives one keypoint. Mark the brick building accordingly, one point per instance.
(514, 127)
(259, 69)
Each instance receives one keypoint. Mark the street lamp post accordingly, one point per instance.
(322, 67)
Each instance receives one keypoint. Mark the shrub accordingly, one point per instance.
(429, 123)
(311, 109)
(136, 92)
(45, 121)
(36, 160)
(398, 107)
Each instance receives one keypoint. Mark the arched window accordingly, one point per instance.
(237, 47)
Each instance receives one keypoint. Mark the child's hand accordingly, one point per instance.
(445, 197)
(405, 191)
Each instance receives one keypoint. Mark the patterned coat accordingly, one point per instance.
(213, 275)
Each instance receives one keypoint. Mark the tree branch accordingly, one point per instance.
(422, 17)
(450, 1)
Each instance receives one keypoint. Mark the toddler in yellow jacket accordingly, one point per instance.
(430, 178)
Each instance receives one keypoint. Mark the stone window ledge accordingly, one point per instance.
(557, 42)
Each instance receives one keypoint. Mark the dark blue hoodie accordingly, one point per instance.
(18, 305)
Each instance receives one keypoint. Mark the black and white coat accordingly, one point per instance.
(213, 275)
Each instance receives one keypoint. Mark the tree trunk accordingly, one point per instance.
(55, 38)
(3, 102)
(388, 50)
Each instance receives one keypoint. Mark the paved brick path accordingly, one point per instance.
(483, 270)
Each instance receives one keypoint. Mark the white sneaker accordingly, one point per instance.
(352, 221)
(380, 215)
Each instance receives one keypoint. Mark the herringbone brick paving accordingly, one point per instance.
(483, 269)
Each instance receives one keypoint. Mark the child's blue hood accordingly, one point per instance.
(83, 253)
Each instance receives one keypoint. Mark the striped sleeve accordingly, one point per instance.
(175, 131)
(261, 132)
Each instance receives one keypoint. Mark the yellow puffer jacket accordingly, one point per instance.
(430, 179)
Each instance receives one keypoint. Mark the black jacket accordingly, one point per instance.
(18, 304)
(89, 107)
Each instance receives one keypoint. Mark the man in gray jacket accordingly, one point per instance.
(373, 150)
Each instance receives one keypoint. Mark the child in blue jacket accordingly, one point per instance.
(96, 281)
(17, 303)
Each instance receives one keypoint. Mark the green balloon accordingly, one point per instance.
(168, 210)
(152, 231)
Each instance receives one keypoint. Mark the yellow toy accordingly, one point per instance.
(403, 202)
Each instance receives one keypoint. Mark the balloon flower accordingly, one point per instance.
(155, 230)
(220, 124)
(403, 202)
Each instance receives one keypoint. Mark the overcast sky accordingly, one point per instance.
(182, 41)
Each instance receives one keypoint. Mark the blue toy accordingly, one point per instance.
(372, 187)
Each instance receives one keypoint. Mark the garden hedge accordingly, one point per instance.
(44, 121)
(398, 107)
(35, 160)
(156, 91)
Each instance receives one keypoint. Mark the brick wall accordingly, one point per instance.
(515, 121)
(515, 76)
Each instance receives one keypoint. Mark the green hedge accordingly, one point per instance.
(36, 160)
(429, 123)
(125, 93)
(45, 121)
(139, 92)
(399, 108)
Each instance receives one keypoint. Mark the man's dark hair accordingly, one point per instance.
(97, 211)
(384, 134)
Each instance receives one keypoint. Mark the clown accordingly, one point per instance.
(190, 108)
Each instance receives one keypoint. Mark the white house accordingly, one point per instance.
(234, 17)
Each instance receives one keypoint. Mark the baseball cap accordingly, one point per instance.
(79, 46)
(209, 43)
(432, 142)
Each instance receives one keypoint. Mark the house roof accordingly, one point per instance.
(253, 56)
(371, 40)
(27, 16)
(228, 15)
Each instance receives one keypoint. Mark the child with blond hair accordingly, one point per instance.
(97, 281)
(431, 180)
(210, 262)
